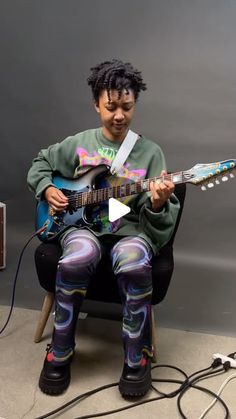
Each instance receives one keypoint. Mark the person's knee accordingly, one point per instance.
(80, 256)
(131, 255)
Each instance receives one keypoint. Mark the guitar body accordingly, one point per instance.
(56, 223)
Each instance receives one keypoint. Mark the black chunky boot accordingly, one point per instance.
(135, 382)
(54, 380)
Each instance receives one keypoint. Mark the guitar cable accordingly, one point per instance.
(39, 231)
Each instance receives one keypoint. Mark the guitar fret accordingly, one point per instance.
(133, 188)
(110, 193)
(145, 185)
(94, 194)
(99, 195)
(76, 201)
(123, 190)
(89, 197)
(139, 187)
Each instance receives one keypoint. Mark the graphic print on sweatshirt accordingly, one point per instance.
(105, 155)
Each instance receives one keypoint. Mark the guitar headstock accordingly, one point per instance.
(210, 174)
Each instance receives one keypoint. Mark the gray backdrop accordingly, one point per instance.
(186, 51)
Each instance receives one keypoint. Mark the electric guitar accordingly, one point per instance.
(84, 193)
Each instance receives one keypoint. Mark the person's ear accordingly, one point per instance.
(96, 105)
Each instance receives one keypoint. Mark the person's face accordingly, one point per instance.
(116, 114)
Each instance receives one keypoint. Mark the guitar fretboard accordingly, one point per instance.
(96, 196)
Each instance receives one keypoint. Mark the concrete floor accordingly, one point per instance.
(98, 361)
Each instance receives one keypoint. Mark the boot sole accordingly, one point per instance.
(53, 387)
(137, 388)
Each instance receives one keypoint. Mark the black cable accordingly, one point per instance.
(121, 409)
(192, 384)
(186, 384)
(77, 398)
(206, 390)
(183, 383)
(174, 393)
(215, 397)
(16, 275)
(90, 393)
(203, 370)
(171, 367)
(163, 395)
(187, 378)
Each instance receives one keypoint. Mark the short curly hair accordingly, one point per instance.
(117, 75)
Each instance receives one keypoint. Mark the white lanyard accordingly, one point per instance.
(123, 152)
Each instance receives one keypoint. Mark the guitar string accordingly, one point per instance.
(102, 194)
(79, 199)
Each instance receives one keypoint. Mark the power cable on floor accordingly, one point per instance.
(208, 408)
(16, 276)
(184, 385)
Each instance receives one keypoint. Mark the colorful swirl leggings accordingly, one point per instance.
(131, 261)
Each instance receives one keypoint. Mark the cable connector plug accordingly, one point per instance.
(224, 359)
(216, 363)
(226, 365)
(232, 355)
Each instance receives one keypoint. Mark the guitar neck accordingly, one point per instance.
(96, 196)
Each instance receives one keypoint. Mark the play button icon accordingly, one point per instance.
(116, 209)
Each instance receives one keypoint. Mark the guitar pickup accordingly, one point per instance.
(71, 209)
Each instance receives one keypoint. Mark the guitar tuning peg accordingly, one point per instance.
(231, 175)
(203, 188)
(210, 185)
(224, 178)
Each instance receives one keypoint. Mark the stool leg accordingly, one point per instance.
(46, 309)
(154, 335)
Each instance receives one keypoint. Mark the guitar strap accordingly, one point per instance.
(124, 151)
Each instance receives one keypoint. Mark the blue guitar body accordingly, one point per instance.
(56, 223)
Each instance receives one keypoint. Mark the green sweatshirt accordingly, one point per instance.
(76, 154)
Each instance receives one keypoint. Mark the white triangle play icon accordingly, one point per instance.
(116, 209)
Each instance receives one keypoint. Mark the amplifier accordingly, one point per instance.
(2, 235)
